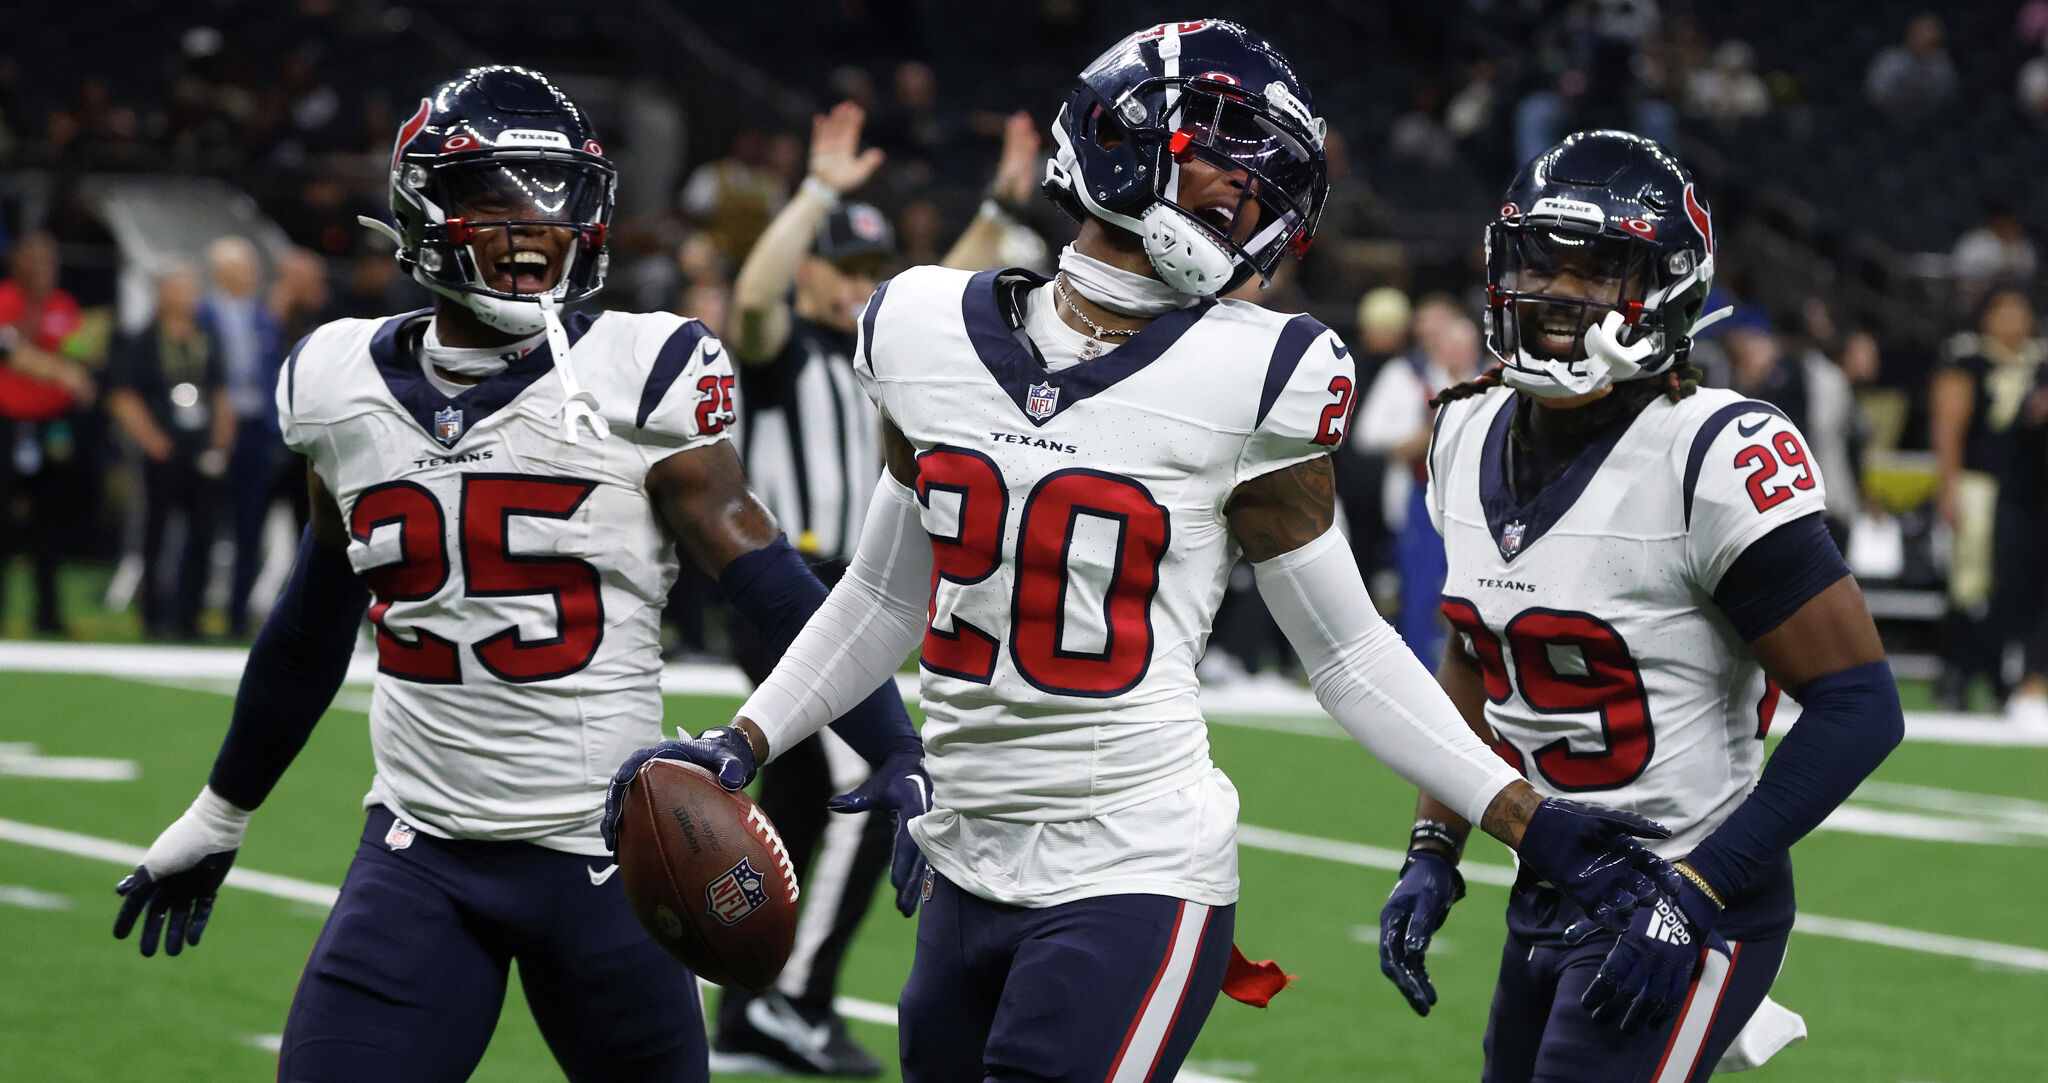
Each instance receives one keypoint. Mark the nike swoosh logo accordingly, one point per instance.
(923, 796)
(600, 876)
(1750, 430)
(711, 352)
(1342, 350)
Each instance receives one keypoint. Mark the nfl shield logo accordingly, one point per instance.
(448, 424)
(400, 836)
(736, 894)
(1044, 399)
(1511, 539)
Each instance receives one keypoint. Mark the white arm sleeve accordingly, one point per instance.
(862, 632)
(1366, 677)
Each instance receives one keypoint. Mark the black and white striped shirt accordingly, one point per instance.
(812, 440)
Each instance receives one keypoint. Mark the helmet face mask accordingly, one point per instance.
(502, 195)
(1156, 119)
(1603, 222)
(1550, 284)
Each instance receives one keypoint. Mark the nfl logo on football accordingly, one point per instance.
(736, 894)
(448, 424)
(1511, 539)
(1043, 400)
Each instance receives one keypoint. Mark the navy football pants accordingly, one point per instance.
(1112, 988)
(408, 975)
(1538, 1033)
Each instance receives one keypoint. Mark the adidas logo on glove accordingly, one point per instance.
(1666, 925)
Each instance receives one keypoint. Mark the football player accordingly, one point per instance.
(1638, 567)
(1073, 466)
(505, 487)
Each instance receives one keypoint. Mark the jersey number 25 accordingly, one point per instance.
(489, 570)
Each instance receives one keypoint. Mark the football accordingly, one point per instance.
(707, 874)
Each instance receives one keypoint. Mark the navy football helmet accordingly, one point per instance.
(1616, 213)
(1207, 89)
(500, 148)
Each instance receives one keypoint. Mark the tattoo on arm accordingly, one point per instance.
(1508, 816)
(1282, 511)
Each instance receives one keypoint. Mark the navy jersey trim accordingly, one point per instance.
(1535, 518)
(993, 316)
(668, 365)
(399, 366)
(867, 325)
(291, 372)
(1704, 439)
(1295, 338)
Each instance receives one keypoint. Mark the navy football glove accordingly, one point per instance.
(1414, 912)
(901, 786)
(179, 876)
(1590, 853)
(723, 751)
(1646, 975)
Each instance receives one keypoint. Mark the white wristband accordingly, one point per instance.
(819, 191)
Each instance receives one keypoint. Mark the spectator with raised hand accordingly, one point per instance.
(1009, 196)
(167, 389)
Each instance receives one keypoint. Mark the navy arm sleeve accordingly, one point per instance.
(1777, 574)
(776, 592)
(295, 666)
(1848, 723)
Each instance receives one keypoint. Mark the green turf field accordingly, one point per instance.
(76, 1005)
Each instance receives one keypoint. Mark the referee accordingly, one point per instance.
(813, 449)
(812, 444)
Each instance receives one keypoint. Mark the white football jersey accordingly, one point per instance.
(518, 578)
(1610, 674)
(1081, 550)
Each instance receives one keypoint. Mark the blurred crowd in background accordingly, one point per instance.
(179, 186)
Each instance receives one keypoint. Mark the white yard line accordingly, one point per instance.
(1275, 705)
(1258, 838)
(1374, 857)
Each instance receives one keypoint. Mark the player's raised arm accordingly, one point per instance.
(295, 667)
(760, 292)
(1366, 678)
(980, 247)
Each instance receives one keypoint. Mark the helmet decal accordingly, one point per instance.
(410, 129)
(1700, 221)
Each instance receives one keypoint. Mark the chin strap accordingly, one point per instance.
(383, 229)
(577, 404)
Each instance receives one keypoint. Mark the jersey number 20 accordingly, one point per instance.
(1045, 538)
(489, 570)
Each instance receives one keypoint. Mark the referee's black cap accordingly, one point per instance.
(856, 236)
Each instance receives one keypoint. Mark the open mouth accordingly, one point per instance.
(1558, 336)
(522, 270)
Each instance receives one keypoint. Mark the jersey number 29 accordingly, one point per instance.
(1606, 680)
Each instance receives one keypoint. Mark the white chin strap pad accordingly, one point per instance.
(1607, 362)
(1184, 254)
